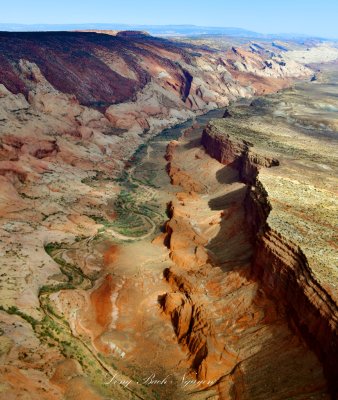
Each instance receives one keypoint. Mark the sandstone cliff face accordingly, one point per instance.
(278, 263)
(287, 276)
(238, 342)
(237, 154)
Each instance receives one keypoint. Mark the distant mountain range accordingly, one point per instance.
(156, 30)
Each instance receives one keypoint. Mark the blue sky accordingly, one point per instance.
(315, 17)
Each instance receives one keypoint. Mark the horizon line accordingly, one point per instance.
(294, 34)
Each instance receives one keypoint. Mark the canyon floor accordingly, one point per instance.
(203, 266)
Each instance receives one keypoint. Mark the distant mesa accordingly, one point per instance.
(129, 34)
(102, 31)
(132, 33)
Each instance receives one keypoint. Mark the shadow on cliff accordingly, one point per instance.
(231, 247)
(280, 352)
(193, 143)
(227, 200)
(227, 175)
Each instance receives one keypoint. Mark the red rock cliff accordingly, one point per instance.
(278, 263)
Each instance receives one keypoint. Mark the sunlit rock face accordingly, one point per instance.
(157, 76)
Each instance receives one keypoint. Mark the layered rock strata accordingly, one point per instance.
(222, 318)
(279, 262)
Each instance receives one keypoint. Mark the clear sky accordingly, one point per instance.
(314, 17)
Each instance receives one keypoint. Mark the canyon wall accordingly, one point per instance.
(236, 337)
(279, 263)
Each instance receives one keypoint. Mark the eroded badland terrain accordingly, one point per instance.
(166, 233)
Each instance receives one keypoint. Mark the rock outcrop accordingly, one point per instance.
(132, 68)
(236, 334)
(278, 262)
(237, 154)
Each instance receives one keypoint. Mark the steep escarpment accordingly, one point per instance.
(101, 70)
(68, 60)
(237, 338)
(287, 276)
(237, 154)
(279, 261)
